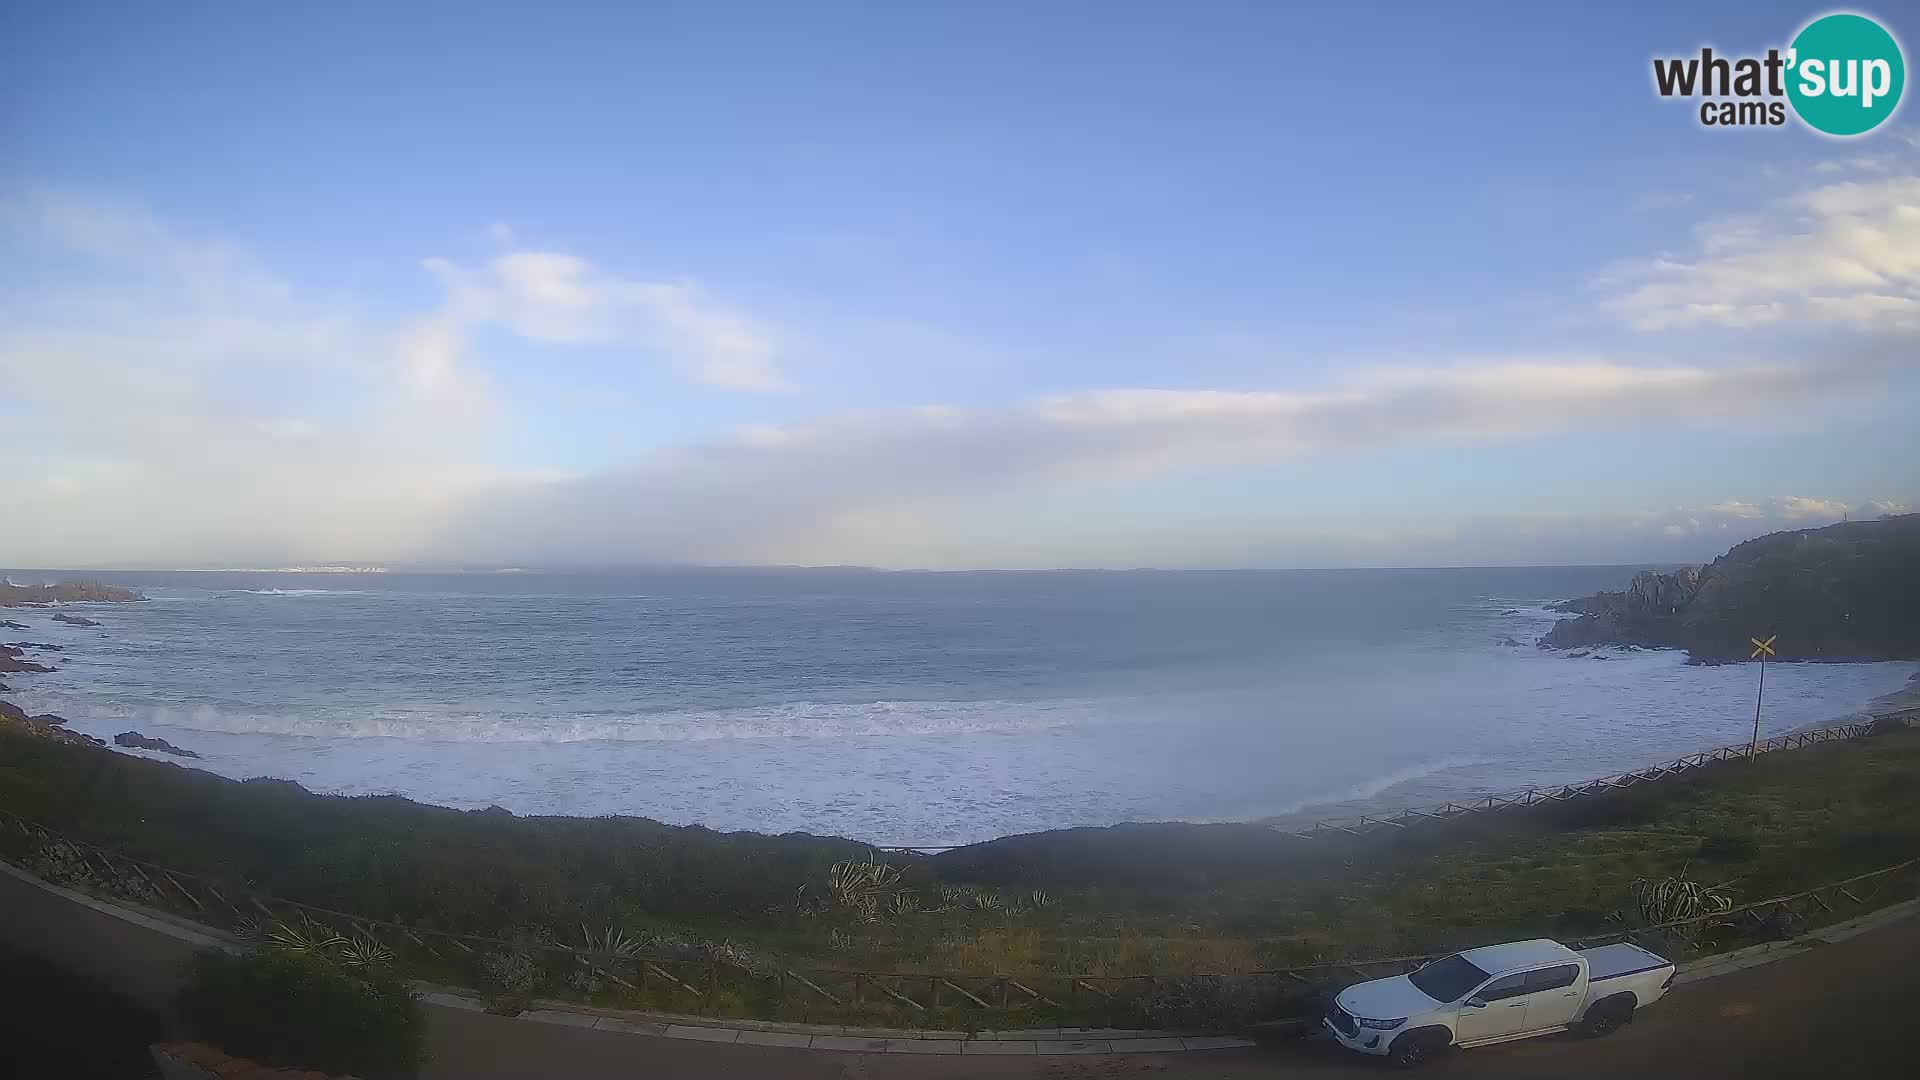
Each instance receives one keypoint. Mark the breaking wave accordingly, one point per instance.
(1379, 785)
(798, 720)
(303, 592)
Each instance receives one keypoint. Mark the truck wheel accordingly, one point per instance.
(1415, 1048)
(1607, 1017)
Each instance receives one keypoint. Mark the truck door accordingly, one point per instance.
(1553, 996)
(1496, 1009)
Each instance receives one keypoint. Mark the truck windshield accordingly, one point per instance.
(1448, 979)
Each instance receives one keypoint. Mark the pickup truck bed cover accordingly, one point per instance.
(1622, 958)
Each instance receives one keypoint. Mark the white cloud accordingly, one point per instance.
(771, 492)
(178, 403)
(1802, 508)
(552, 297)
(174, 401)
(1846, 253)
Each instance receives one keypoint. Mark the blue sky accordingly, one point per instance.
(946, 285)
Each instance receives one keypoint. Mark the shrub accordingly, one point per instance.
(511, 978)
(1209, 1003)
(303, 1010)
(1727, 846)
(1665, 900)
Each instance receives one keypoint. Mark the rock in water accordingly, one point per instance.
(10, 661)
(98, 592)
(73, 620)
(142, 742)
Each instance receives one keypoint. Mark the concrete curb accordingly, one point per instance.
(1753, 956)
(1042, 1042)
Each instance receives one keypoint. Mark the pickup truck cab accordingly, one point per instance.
(1498, 994)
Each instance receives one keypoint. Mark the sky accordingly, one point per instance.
(933, 285)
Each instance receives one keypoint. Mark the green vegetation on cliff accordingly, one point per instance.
(1845, 592)
(1123, 901)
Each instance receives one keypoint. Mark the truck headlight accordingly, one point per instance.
(1381, 1025)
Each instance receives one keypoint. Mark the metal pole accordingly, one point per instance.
(1756, 707)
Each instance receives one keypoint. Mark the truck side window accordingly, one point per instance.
(1552, 978)
(1507, 986)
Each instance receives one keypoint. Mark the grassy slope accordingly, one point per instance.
(1126, 900)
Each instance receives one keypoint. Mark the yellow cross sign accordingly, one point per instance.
(1761, 648)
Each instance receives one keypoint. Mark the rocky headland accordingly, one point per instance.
(66, 592)
(1846, 592)
(13, 657)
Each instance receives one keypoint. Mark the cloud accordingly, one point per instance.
(557, 298)
(1680, 534)
(173, 401)
(165, 398)
(766, 493)
(1847, 253)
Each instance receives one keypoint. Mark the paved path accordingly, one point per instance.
(1835, 1010)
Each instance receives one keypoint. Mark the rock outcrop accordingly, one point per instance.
(1845, 592)
(74, 620)
(142, 742)
(10, 660)
(67, 592)
(45, 726)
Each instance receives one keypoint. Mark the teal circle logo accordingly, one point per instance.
(1845, 74)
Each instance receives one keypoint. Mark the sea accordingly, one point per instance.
(900, 708)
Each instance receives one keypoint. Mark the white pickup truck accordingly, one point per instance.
(1498, 994)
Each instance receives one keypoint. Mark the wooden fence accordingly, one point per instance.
(1533, 796)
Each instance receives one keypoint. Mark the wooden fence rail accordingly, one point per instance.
(1362, 824)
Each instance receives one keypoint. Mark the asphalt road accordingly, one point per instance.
(1845, 1011)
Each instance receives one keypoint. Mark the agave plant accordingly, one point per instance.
(363, 951)
(308, 938)
(860, 886)
(903, 903)
(978, 899)
(1675, 899)
(611, 941)
(1038, 900)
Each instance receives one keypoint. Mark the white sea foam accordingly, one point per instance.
(796, 720)
(304, 592)
(1383, 783)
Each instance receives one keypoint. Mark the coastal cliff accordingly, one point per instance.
(1846, 592)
